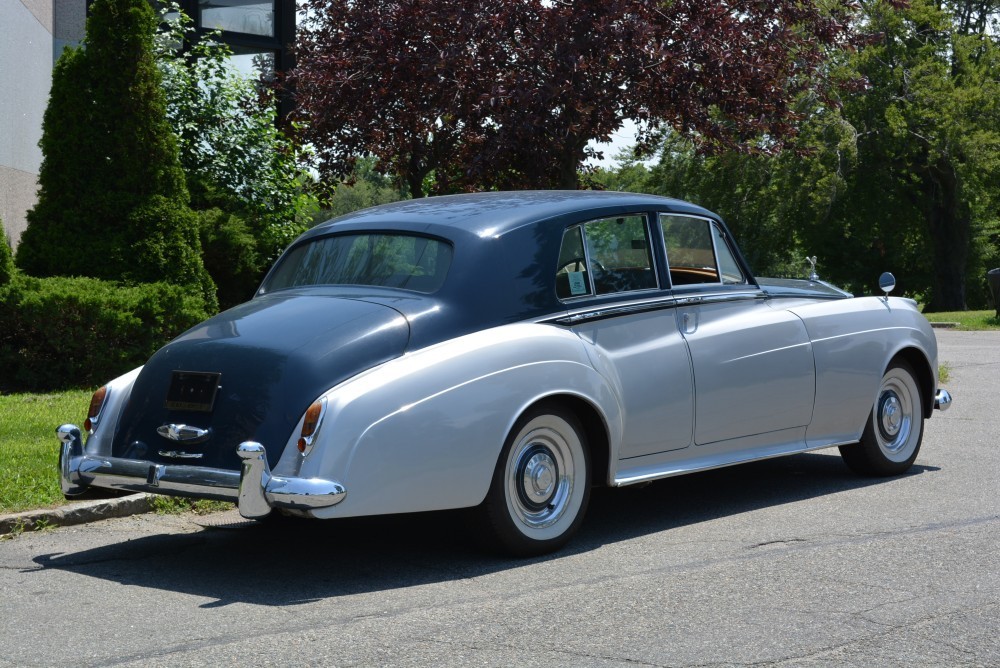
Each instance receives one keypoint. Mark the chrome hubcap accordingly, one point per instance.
(892, 414)
(539, 479)
(894, 417)
(540, 474)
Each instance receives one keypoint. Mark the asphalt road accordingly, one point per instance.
(789, 562)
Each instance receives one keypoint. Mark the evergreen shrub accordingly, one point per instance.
(6, 262)
(112, 201)
(59, 333)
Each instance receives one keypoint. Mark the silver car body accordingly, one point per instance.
(665, 381)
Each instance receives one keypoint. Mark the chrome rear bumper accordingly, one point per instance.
(255, 490)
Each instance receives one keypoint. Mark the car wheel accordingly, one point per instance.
(541, 485)
(892, 435)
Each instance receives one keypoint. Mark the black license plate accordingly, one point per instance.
(192, 391)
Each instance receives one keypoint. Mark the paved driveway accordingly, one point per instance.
(787, 562)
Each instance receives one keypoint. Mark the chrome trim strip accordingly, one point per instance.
(254, 488)
(942, 400)
(682, 467)
(601, 313)
(793, 295)
(180, 454)
(614, 311)
(719, 298)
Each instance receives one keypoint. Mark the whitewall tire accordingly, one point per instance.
(895, 428)
(541, 485)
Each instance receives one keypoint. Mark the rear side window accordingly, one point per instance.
(697, 252)
(387, 260)
(605, 256)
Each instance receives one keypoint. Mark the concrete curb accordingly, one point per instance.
(944, 325)
(79, 512)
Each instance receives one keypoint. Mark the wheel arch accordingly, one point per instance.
(917, 361)
(593, 422)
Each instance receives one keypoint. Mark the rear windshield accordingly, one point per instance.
(387, 260)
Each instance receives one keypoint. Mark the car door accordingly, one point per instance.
(607, 278)
(753, 365)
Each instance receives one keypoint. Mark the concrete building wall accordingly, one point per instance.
(26, 29)
(32, 35)
(69, 25)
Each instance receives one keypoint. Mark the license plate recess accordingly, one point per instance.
(192, 391)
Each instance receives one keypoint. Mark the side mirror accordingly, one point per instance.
(887, 282)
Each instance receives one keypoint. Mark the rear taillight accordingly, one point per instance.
(96, 408)
(310, 425)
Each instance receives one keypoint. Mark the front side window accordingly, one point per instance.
(697, 252)
(382, 259)
(605, 256)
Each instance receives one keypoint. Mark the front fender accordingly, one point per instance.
(854, 340)
(424, 432)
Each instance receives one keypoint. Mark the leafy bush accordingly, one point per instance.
(247, 177)
(6, 262)
(58, 333)
(229, 249)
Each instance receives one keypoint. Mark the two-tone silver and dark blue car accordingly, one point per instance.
(508, 351)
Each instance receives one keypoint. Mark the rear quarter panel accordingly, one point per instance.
(424, 432)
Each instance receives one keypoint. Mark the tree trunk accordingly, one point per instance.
(949, 224)
(568, 169)
(414, 177)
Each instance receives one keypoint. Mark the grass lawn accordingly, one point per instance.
(968, 320)
(29, 451)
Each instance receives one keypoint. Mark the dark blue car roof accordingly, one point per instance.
(506, 247)
(495, 213)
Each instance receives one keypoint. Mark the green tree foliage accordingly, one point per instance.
(904, 175)
(741, 188)
(247, 178)
(929, 133)
(364, 189)
(6, 262)
(112, 201)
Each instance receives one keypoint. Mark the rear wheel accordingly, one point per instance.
(541, 485)
(895, 428)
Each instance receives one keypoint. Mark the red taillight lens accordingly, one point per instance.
(96, 406)
(310, 423)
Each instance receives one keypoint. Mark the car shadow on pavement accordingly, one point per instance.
(298, 561)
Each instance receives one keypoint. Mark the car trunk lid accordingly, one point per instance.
(265, 362)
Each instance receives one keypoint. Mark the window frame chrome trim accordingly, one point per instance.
(715, 250)
(606, 311)
(647, 218)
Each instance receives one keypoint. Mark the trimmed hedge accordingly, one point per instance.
(60, 333)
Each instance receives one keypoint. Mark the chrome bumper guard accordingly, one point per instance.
(254, 489)
(942, 400)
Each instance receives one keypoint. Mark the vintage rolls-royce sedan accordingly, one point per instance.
(506, 352)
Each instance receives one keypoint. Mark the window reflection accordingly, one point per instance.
(253, 17)
(252, 63)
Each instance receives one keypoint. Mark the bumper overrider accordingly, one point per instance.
(942, 400)
(254, 489)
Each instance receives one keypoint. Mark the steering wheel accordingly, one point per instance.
(579, 262)
(581, 265)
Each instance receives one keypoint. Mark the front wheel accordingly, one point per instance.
(541, 485)
(895, 428)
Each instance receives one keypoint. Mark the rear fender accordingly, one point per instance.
(424, 432)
